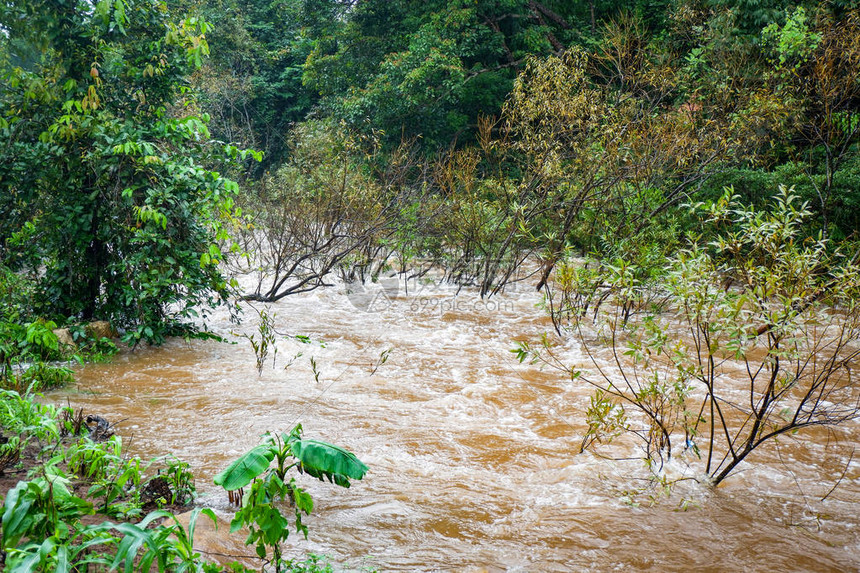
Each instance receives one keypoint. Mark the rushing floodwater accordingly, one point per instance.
(473, 456)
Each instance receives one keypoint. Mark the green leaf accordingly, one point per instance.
(153, 516)
(134, 538)
(303, 500)
(26, 565)
(321, 459)
(192, 521)
(63, 565)
(246, 468)
(17, 509)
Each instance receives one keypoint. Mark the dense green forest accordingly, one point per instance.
(143, 141)
(695, 159)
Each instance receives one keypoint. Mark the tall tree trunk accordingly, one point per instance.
(593, 21)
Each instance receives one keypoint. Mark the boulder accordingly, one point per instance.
(99, 329)
(64, 337)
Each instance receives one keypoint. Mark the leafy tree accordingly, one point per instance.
(589, 146)
(429, 68)
(816, 72)
(791, 91)
(737, 343)
(252, 85)
(102, 162)
(321, 212)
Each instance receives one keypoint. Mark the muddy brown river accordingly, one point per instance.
(474, 462)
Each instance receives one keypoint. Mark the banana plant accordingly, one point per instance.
(259, 511)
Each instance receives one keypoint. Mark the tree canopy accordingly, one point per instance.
(106, 194)
(542, 127)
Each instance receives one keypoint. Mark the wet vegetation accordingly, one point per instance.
(706, 366)
(80, 503)
(679, 180)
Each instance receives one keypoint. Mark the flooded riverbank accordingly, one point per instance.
(473, 457)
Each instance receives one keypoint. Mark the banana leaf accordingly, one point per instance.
(321, 459)
(250, 465)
